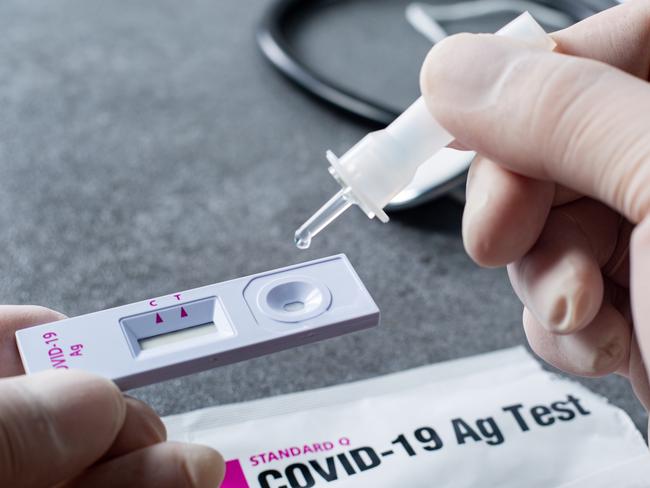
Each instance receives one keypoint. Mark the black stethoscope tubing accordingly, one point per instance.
(273, 41)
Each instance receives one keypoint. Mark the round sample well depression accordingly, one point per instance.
(294, 299)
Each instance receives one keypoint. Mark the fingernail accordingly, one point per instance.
(567, 312)
(477, 201)
(467, 71)
(608, 356)
(148, 420)
(561, 314)
(591, 358)
(567, 298)
(205, 466)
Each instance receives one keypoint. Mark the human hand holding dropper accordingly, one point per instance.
(560, 189)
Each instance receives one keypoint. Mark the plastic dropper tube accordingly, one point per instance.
(384, 162)
(335, 206)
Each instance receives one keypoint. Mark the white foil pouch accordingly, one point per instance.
(495, 420)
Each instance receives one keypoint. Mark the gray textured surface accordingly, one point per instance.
(145, 147)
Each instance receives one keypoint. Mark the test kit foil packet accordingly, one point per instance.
(493, 420)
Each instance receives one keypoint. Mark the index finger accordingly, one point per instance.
(13, 318)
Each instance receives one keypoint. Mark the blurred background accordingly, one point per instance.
(147, 146)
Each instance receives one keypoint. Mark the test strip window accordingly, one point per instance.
(177, 336)
(176, 326)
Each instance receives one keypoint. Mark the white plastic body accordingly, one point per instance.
(194, 330)
(384, 162)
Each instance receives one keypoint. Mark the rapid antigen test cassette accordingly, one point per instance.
(190, 331)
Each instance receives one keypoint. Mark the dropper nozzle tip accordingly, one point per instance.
(302, 240)
(334, 207)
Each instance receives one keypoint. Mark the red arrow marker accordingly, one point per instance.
(183, 312)
(159, 319)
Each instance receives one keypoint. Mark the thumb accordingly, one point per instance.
(55, 424)
(549, 116)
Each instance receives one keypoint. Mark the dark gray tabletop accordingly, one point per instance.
(146, 147)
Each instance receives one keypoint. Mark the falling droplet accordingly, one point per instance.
(302, 240)
(334, 207)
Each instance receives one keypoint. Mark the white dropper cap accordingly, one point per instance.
(384, 162)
